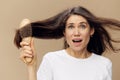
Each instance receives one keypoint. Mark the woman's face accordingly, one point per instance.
(77, 32)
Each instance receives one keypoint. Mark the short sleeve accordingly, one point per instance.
(44, 71)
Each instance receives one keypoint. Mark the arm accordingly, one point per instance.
(32, 73)
(29, 52)
(28, 55)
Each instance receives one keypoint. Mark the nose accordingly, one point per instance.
(76, 32)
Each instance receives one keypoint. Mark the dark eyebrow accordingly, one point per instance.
(83, 22)
(80, 23)
(70, 24)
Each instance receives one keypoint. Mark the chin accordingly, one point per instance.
(77, 49)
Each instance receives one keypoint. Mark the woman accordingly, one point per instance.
(85, 40)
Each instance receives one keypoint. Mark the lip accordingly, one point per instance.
(77, 41)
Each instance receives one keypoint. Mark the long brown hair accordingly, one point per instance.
(52, 28)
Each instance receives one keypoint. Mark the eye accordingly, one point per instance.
(83, 26)
(70, 26)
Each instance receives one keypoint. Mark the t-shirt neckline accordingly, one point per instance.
(78, 59)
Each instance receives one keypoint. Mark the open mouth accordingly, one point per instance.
(77, 40)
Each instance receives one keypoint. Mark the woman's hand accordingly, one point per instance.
(28, 51)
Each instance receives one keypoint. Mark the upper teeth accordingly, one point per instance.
(76, 40)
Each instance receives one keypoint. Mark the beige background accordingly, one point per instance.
(13, 11)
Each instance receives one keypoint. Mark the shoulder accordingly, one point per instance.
(54, 54)
(103, 60)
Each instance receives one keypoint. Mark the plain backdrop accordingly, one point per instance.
(13, 11)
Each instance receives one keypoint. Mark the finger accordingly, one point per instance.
(25, 52)
(26, 56)
(26, 48)
(23, 56)
(23, 43)
(28, 52)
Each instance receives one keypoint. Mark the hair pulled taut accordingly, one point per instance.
(53, 28)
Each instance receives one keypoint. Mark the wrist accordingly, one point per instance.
(32, 73)
(32, 68)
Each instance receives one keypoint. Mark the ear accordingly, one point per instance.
(92, 31)
(64, 33)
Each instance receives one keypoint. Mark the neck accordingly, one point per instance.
(78, 54)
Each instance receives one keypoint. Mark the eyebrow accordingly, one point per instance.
(80, 23)
(84, 22)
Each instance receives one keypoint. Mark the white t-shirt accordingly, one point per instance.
(59, 65)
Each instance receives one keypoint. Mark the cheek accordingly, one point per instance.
(86, 38)
(68, 36)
